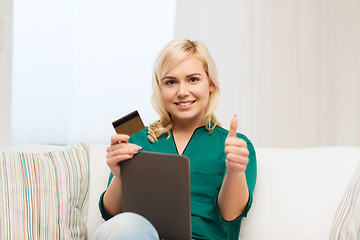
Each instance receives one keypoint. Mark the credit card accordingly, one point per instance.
(129, 124)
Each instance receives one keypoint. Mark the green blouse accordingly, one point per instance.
(207, 170)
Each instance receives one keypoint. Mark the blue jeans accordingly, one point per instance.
(128, 226)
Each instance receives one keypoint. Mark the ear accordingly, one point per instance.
(212, 88)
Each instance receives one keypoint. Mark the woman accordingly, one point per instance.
(223, 163)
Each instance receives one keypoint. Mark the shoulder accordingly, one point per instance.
(220, 131)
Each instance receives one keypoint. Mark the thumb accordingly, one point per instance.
(233, 126)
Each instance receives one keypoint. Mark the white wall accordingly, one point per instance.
(5, 71)
(79, 65)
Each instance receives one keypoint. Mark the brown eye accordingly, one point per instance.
(170, 82)
(193, 79)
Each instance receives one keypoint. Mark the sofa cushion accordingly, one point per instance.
(99, 176)
(298, 191)
(347, 221)
(44, 192)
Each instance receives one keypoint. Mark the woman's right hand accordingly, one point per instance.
(120, 150)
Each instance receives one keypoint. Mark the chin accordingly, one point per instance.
(186, 117)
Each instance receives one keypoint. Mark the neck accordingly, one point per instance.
(186, 127)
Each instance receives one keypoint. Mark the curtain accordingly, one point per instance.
(5, 71)
(289, 69)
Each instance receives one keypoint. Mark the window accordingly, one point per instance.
(79, 65)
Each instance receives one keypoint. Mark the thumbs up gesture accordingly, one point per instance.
(237, 154)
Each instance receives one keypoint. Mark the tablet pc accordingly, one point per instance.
(157, 186)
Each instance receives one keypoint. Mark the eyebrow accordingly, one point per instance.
(190, 75)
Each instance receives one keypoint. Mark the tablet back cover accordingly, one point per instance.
(157, 186)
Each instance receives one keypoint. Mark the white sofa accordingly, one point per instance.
(296, 196)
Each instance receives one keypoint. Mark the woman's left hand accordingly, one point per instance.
(237, 153)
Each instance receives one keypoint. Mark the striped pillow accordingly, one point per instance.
(347, 221)
(44, 195)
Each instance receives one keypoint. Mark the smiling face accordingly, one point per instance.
(185, 91)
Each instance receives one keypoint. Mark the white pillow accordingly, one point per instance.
(44, 195)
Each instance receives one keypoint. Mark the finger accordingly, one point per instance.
(241, 151)
(119, 138)
(237, 158)
(114, 161)
(234, 166)
(233, 126)
(231, 141)
(121, 145)
(123, 151)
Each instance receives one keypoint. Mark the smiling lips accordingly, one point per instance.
(184, 104)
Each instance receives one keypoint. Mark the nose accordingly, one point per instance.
(183, 90)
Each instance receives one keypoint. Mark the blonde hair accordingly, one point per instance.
(172, 55)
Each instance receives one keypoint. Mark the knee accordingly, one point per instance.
(126, 226)
(130, 220)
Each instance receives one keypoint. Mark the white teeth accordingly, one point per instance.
(185, 104)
